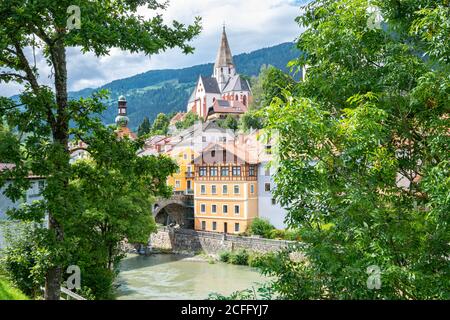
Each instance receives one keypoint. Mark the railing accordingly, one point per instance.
(66, 294)
(69, 295)
(189, 192)
(189, 174)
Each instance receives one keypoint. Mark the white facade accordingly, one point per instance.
(33, 194)
(267, 207)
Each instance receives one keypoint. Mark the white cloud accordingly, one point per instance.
(251, 25)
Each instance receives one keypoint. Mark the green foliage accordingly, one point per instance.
(277, 234)
(261, 292)
(254, 260)
(261, 227)
(188, 121)
(229, 122)
(9, 292)
(239, 257)
(25, 258)
(225, 256)
(250, 120)
(161, 125)
(144, 127)
(372, 109)
(270, 84)
(292, 235)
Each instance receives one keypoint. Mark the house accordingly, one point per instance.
(225, 188)
(32, 194)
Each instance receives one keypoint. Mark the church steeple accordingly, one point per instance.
(224, 66)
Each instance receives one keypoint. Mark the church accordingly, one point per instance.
(225, 92)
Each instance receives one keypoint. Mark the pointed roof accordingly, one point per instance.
(210, 84)
(224, 57)
(236, 83)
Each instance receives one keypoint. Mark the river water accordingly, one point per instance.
(170, 277)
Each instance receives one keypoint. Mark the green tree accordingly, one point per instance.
(373, 109)
(189, 120)
(270, 84)
(161, 125)
(46, 112)
(115, 205)
(144, 127)
(229, 122)
(251, 120)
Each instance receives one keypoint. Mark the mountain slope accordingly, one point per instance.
(168, 90)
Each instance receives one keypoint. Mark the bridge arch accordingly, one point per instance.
(177, 210)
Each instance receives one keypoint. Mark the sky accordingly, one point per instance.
(250, 25)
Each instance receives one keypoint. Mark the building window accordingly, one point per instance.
(237, 98)
(202, 172)
(225, 189)
(269, 149)
(177, 183)
(225, 171)
(203, 208)
(204, 139)
(214, 226)
(214, 189)
(236, 227)
(236, 171)
(236, 189)
(41, 186)
(267, 187)
(213, 171)
(185, 156)
(213, 208)
(202, 189)
(267, 172)
(252, 188)
(236, 209)
(203, 225)
(274, 201)
(251, 171)
(225, 209)
(213, 153)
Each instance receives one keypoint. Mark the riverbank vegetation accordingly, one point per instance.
(263, 228)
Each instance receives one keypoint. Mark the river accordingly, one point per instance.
(171, 277)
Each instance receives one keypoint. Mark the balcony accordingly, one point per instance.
(189, 192)
(189, 174)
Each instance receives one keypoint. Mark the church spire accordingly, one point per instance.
(224, 57)
(224, 67)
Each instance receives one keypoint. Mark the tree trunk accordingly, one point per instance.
(60, 133)
(53, 276)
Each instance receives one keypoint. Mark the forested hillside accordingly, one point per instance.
(166, 91)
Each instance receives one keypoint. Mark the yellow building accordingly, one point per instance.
(183, 180)
(226, 195)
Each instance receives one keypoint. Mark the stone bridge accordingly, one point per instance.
(179, 209)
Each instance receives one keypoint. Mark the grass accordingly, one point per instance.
(8, 292)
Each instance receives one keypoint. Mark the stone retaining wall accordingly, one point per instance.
(182, 240)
